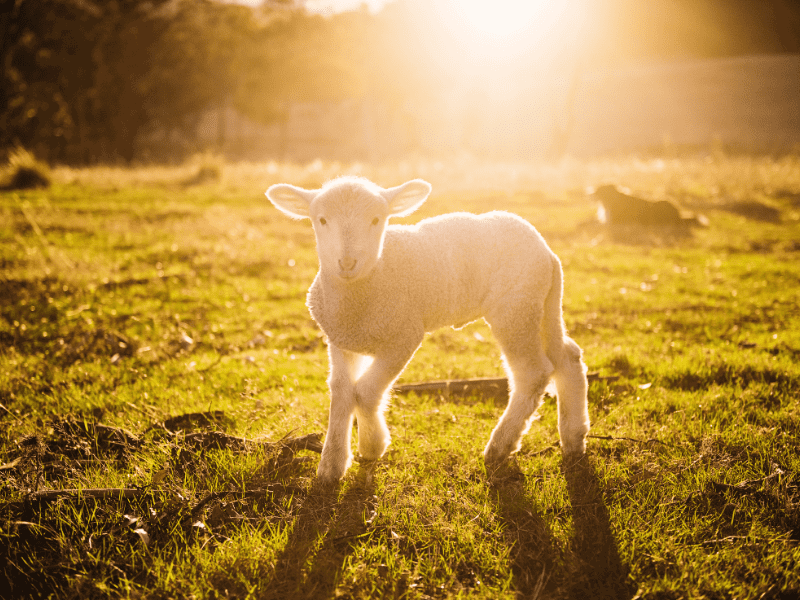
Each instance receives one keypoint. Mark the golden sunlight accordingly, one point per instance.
(505, 28)
(500, 18)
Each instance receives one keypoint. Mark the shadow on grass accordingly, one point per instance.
(322, 537)
(533, 558)
(590, 567)
(594, 565)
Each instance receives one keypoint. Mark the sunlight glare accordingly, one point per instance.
(505, 30)
(500, 18)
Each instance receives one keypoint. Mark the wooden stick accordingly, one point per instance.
(614, 438)
(115, 493)
(94, 493)
(311, 442)
(495, 386)
(220, 440)
(457, 386)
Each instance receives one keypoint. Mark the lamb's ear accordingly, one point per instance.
(405, 199)
(291, 200)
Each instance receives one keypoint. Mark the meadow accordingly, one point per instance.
(163, 396)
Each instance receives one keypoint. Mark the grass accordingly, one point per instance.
(131, 297)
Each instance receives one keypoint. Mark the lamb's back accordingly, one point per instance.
(452, 264)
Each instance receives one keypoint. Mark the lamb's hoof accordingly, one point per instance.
(494, 455)
(575, 448)
(492, 467)
(332, 467)
(366, 471)
(327, 478)
(573, 457)
(504, 472)
(326, 483)
(497, 463)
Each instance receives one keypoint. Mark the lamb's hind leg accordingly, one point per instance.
(572, 386)
(529, 372)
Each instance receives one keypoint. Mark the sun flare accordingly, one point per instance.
(500, 18)
(505, 29)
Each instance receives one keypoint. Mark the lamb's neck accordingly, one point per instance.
(342, 288)
(343, 297)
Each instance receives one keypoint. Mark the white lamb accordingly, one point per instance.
(380, 288)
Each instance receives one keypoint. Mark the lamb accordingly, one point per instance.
(381, 287)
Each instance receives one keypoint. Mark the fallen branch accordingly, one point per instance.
(211, 366)
(11, 464)
(482, 385)
(12, 415)
(79, 463)
(738, 538)
(744, 488)
(629, 439)
(209, 497)
(496, 387)
(117, 493)
(751, 482)
(551, 448)
(311, 441)
(93, 493)
(222, 441)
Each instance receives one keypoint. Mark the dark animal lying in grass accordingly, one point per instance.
(620, 208)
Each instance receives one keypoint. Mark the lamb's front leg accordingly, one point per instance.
(336, 454)
(372, 395)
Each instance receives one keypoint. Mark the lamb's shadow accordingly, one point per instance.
(594, 564)
(533, 559)
(590, 567)
(308, 565)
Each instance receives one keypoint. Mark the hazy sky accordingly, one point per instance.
(336, 5)
(327, 6)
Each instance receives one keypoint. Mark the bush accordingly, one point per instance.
(209, 169)
(24, 172)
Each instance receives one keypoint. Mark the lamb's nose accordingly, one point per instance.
(347, 264)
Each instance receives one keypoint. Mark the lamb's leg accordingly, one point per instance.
(529, 372)
(372, 397)
(573, 409)
(336, 454)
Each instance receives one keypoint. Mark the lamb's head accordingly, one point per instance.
(349, 217)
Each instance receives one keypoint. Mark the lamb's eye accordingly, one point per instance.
(375, 221)
(322, 221)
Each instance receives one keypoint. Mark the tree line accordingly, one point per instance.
(80, 80)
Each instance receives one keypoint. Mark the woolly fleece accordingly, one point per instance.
(381, 287)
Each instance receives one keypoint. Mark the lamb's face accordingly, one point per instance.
(349, 216)
(349, 225)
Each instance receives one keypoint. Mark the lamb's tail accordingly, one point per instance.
(570, 370)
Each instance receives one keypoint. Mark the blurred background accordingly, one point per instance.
(121, 81)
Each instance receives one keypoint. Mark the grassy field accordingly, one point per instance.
(157, 363)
